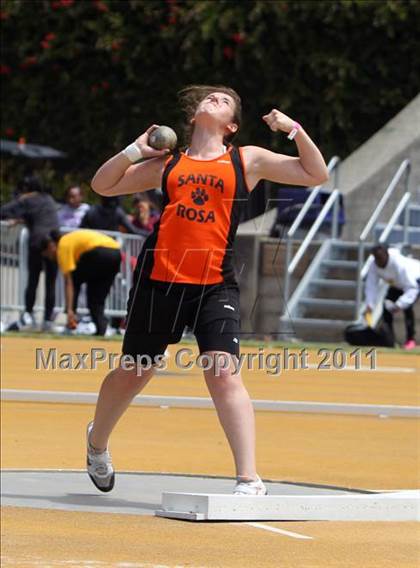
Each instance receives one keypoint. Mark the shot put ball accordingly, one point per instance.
(163, 138)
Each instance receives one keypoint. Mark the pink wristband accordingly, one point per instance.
(294, 131)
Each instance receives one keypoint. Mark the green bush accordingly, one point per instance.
(87, 76)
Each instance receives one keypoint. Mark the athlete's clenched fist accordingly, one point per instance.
(277, 120)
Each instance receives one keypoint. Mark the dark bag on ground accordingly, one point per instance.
(363, 335)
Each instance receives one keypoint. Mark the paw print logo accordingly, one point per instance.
(199, 196)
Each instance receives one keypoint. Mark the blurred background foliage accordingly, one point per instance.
(88, 76)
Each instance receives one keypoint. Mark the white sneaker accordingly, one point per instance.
(27, 321)
(256, 487)
(99, 466)
(47, 326)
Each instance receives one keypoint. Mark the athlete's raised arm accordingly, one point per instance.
(308, 169)
(118, 175)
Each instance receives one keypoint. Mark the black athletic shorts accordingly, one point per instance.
(158, 313)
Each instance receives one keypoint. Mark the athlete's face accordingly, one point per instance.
(219, 107)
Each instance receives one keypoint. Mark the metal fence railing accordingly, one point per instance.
(13, 254)
(14, 272)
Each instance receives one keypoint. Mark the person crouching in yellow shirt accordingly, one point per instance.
(85, 256)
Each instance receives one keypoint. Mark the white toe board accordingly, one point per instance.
(398, 506)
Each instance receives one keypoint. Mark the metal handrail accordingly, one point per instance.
(332, 201)
(333, 166)
(405, 167)
(363, 266)
(402, 206)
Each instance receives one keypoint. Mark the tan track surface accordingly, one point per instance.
(359, 452)
(19, 372)
(350, 451)
(71, 540)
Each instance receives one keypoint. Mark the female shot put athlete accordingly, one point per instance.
(184, 274)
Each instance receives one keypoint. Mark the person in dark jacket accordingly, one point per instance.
(38, 211)
(109, 216)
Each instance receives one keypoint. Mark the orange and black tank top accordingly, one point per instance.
(202, 202)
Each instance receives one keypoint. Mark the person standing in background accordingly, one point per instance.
(72, 212)
(109, 216)
(144, 216)
(38, 210)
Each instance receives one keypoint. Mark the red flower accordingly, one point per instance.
(3, 15)
(105, 85)
(228, 52)
(66, 3)
(4, 69)
(238, 37)
(9, 131)
(45, 44)
(101, 6)
(50, 36)
(28, 62)
(172, 20)
(55, 5)
(116, 45)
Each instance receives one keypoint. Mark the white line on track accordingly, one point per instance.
(68, 397)
(280, 531)
(32, 561)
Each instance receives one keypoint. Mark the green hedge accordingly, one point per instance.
(88, 76)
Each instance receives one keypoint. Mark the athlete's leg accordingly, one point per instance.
(217, 330)
(236, 414)
(117, 391)
(140, 347)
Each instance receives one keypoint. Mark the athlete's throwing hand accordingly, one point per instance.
(277, 120)
(143, 143)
